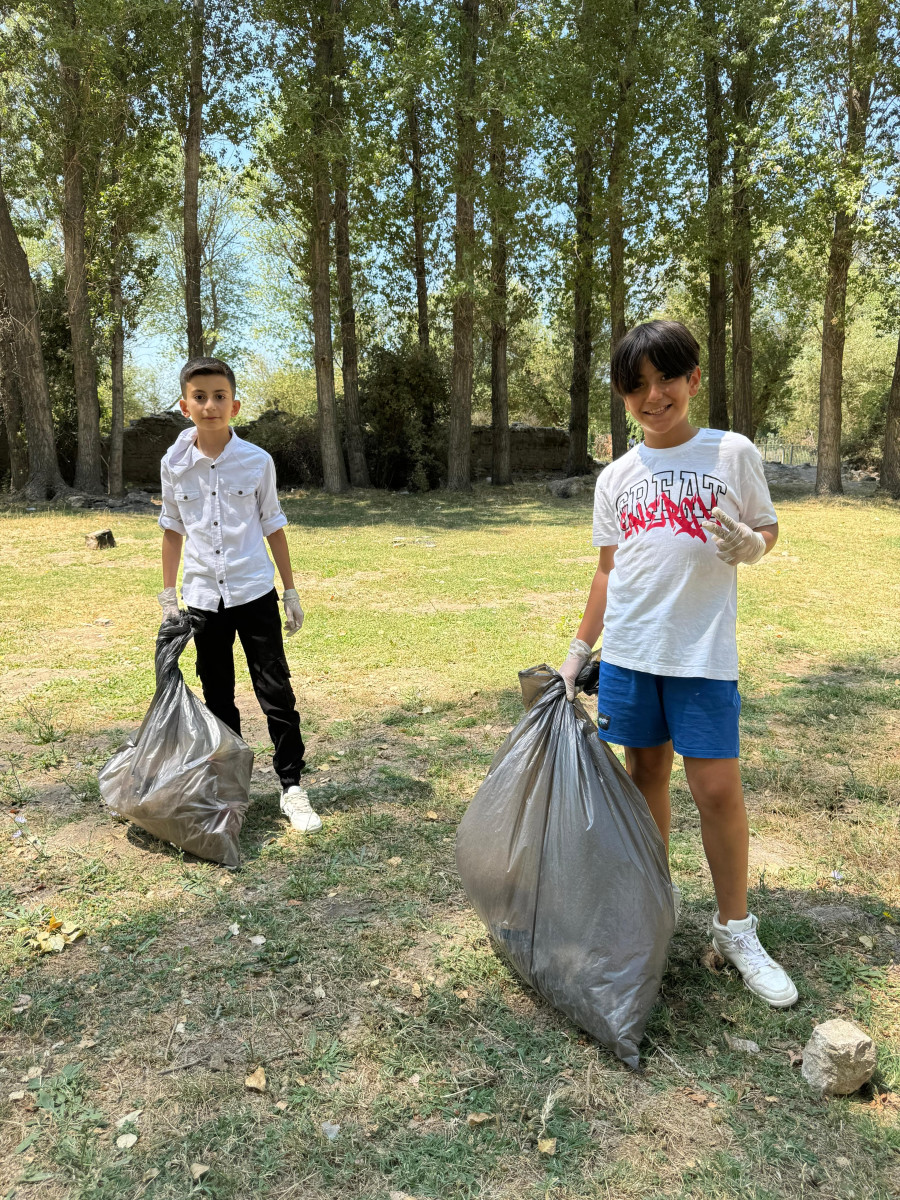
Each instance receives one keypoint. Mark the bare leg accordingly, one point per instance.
(651, 767)
(715, 784)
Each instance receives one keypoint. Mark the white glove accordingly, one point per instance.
(168, 600)
(579, 653)
(293, 613)
(735, 542)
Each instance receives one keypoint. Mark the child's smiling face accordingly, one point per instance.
(660, 402)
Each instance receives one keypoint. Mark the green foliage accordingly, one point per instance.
(404, 398)
(292, 438)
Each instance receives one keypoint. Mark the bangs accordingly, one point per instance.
(669, 345)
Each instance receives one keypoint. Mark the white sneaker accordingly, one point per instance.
(739, 942)
(296, 807)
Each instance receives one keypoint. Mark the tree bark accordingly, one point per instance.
(356, 454)
(192, 247)
(418, 215)
(742, 246)
(44, 477)
(859, 94)
(11, 403)
(890, 462)
(716, 378)
(87, 461)
(500, 457)
(333, 470)
(115, 481)
(459, 462)
(578, 462)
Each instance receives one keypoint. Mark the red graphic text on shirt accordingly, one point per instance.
(662, 502)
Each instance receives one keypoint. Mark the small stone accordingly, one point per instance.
(100, 539)
(842, 1162)
(838, 1059)
(565, 489)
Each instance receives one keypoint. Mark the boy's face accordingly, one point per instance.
(209, 402)
(660, 402)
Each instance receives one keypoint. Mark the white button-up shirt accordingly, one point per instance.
(223, 508)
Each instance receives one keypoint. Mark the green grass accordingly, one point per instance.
(375, 1002)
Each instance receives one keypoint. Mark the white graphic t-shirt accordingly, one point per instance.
(672, 604)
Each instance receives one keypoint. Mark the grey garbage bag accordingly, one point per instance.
(184, 776)
(562, 861)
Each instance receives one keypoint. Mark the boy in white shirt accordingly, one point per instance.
(219, 499)
(672, 519)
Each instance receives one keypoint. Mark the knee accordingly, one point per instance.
(718, 800)
(651, 768)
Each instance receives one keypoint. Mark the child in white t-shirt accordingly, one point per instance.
(672, 519)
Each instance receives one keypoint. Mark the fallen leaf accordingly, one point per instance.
(319, 992)
(257, 1081)
(17, 1095)
(22, 1002)
(475, 1119)
(744, 1045)
(86, 1044)
(126, 1140)
(179, 1028)
(461, 994)
(198, 1170)
(868, 943)
(259, 940)
(547, 1146)
(394, 862)
(416, 991)
(129, 1117)
(772, 1100)
(795, 1058)
(431, 815)
(33, 1073)
(234, 929)
(712, 960)
(330, 1130)
(281, 1104)
(700, 1098)
(152, 1173)
(414, 1080)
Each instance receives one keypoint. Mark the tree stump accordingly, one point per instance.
(101, 540)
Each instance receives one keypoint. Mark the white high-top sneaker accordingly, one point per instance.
(739, 942)
(296, 807)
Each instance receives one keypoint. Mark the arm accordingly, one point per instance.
(770, 535)
(279, 546)
(293, 613)
(591, 626)
(171, 557)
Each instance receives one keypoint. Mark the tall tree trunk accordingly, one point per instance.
(742, 245)
(193, 134)
(87, 461)
(43, 467)
(333, 470)
(459, 462)
(862, 53)
(117, 372)
(500, 461)
(716, 378)
(578, 462)
(11, 403)
(890, 462)
(418, 215)
(356, 454)
(414, 134)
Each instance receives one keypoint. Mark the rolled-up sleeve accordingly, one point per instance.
(270, 514)
(170, 517)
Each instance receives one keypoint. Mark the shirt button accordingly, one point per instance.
(184, 497)
(215, 522)
(214, 493)
(221, 581)
(239, 493)
(212, 466)
(218, 552)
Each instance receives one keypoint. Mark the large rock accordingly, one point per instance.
(838, 1059)
(565, 489)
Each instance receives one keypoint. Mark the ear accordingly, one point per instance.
(235, 407)
(182, 403)
(694, 381)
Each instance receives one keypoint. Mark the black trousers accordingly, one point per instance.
(258, 625)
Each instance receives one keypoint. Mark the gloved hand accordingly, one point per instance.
(168, 600)
(293, 613)
(579, 653)
(735, 542)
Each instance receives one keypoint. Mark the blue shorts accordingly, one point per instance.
(700, 716)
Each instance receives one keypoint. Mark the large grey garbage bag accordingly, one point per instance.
(563, 862)
(184, 776)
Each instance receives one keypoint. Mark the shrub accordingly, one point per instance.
(293, 441)
(404, 402)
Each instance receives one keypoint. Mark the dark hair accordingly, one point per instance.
(205, 366)
(669, 345)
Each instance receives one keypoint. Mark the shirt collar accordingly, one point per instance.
(185, 453)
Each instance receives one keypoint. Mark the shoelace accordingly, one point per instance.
(299, 803)
(751, 947)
